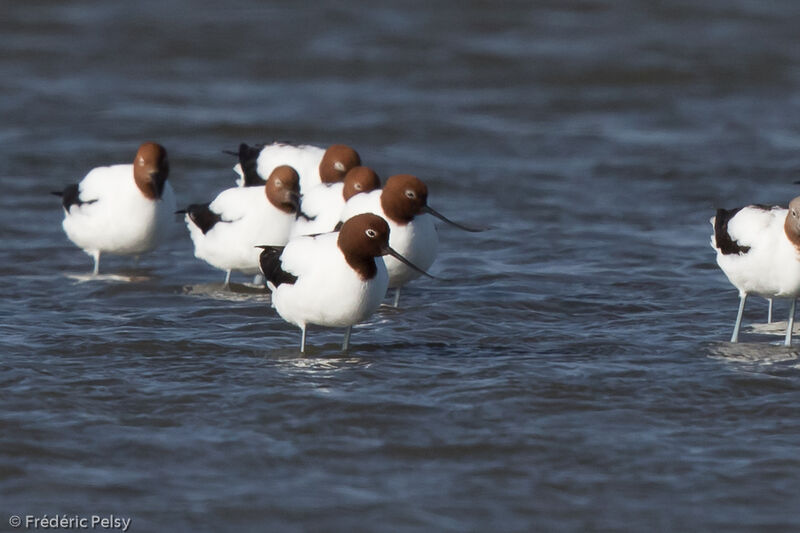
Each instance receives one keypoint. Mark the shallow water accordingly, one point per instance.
(570, 372)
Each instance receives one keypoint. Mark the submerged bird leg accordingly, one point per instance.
(346, 341)
(227, 278)
(258, 279)
(742, 300)
(397, 297)
(788, 341)
(96, 256)
(769, 311)
(303, 340)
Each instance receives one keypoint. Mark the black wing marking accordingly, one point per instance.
(338, 226)
(300, 213)
(203, 217)
(725, 242)
(248, 159)
(71, 195)
(270, 263)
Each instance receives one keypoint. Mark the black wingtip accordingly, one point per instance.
(248, 160)
(270, 264)
(202, 216)
(71, 195)
(725, 243)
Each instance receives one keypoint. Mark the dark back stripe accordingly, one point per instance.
(270, 263)
(248, 159)
(725, 243)
(71, 195)
(203, 217)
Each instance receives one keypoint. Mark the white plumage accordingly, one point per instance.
(121, 209)
(333, 279)
(247, 219)
(325, 202)
(417, 240)
(304, 158)
(226, 231)
(771, 267)
(314, 165)
(758, 249)
(328, 292)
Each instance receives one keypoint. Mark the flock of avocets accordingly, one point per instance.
(315, 222)
(330, 241)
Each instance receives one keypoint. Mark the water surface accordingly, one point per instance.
(571, 370)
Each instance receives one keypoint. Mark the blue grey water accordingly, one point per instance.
(569, 372)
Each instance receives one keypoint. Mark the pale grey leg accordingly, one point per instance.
(769, 311)
(96, 255)
(227, 277)
(346, 341)
(258, 279)
(742, 299)
(303, 340)
(788, 341)
(397, 297)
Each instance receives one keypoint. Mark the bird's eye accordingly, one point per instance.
(339, 166)
(794, 213)
(371, 233)
(411, 194)
(357, 186)
(278, 183)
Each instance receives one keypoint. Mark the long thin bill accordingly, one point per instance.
(388, 250)
(430, 210)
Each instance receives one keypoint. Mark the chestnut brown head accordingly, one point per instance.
(150, 169)
(283, 189)
(404, 196)
(336, 161)
(358, 180)
(792, 224)
(364, 237)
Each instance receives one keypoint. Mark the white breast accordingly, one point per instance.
(121, 220)
(417, 241)
(771, 267)
(248, 220)
(328, 292)
(324, 203)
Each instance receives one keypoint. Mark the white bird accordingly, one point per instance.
(323, 204)
(121, 209)
(403, 202)
(226, 231)
(758, 249)
(312, 163)
(333, 279)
